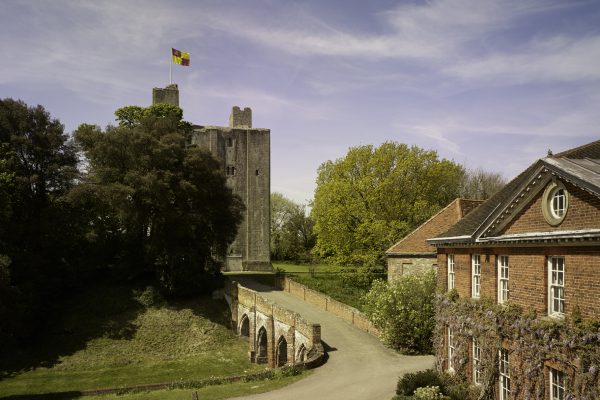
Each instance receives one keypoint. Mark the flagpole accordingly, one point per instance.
(170, 70)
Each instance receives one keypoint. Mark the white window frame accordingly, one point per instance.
(450, 263)
(476, 361)
(555, 203)
(503, 279)
(558, 384)
(556, 286)
(504, 381)
(558, 204)
(475, 276)
(451, 349)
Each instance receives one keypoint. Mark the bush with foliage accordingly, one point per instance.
(404, 311)
(430, 384)
(410, 382)
(429, 393)
(361, 277)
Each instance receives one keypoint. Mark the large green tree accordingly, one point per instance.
(37, 167)
(292, 236)
(374, 196)
(164, 202)
(478, 184)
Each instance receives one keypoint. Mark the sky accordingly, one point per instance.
(488, 84)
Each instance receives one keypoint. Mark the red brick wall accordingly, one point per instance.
(528, 275)
(462, 272)
(583, 212)
(416, 240)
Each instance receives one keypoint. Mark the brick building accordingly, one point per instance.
(525, 265)
(412, 253)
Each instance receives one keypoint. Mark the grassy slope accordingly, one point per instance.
(326, 279)
(109, 338)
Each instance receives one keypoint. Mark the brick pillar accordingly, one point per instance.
(291, 344)
(316, 331)
(252, 335)
(233, 292)
(271, 345)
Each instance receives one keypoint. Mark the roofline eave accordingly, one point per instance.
(411, 254)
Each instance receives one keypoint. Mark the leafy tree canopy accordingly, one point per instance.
(374, 196)
(478, 184)
(165, 202)
(37, 167)
(133, 115)
(292, 236)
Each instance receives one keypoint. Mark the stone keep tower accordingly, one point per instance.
(244, 154)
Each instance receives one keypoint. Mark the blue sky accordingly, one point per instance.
(491, 84)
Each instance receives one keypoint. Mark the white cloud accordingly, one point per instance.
(433, 30)
(438, 133)
(553, 59)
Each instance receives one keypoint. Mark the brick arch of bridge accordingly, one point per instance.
(276, 336)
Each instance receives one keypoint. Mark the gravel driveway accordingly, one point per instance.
(358, 367)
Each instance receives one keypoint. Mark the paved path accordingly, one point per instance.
(359, 367)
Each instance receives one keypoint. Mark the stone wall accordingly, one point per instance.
(399, 265)
(287, 337)
(344, 311)
(168, 95)
(244, 155)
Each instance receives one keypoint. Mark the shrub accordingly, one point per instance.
(361, 277)
(290, 370)
(149, 297)
(429, 393)
(409, 383)
(404, 311)
(461, 391)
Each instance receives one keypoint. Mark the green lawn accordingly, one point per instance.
(325, 279)
(210, 392)
(121, 336)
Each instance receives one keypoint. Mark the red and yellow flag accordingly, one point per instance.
(180, 57)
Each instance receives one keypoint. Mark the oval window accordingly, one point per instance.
(555, 203)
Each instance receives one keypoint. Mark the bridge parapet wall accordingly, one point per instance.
(276, 335)
(344, 311)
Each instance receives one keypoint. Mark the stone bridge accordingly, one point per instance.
(276, 336)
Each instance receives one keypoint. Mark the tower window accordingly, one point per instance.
(230, 170)
(257, 172)
(229, 142)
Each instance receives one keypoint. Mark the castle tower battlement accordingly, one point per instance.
(168, 95)
(244, 154)
(240, 118)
